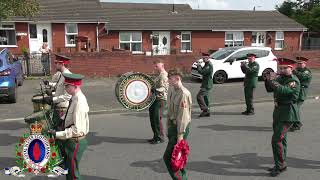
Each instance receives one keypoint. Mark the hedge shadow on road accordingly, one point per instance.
(7, 140)
(223, 127)
(155, 165)
(7, 162)
(228, 165)
(93, 140)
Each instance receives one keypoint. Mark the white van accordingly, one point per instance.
(226, 62)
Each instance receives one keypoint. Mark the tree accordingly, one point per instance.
(304, 12)
(25, 8)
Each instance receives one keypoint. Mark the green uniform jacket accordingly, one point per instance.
(286, 93)
(206, 71)
(251, 71)
(305, 76)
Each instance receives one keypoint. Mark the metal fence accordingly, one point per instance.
(36, 64)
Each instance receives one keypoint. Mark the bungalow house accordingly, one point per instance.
(158, 29)
(58, 23)
(164, 29)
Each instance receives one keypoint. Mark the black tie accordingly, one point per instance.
(65, 117)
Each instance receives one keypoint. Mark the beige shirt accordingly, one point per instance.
(61, 97)
(77, 119)
(55, 79)
(162, 85)
(179, 108)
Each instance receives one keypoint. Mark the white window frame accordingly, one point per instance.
(234, 40)
(131, 41)
(69, 34)
(186, 41)
(279, 39)
(14, 29)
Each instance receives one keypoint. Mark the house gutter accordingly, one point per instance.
(97, 35)
(301, 36)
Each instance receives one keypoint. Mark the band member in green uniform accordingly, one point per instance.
(76, 126)
(286, 89)
(159, 106)
(304, 74)
(207, 83)
(251, 71)
(178, 119)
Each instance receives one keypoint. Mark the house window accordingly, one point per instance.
(33, 31)
(279, 41)
(71, 34)
(234, 39)
(7, 34)
(131, 41)
(185, 41)
(44, 35)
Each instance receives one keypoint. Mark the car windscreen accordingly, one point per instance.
(221, 54)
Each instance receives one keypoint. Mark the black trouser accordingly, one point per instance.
(248, 94)
(203, 99)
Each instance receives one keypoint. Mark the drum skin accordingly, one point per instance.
(133, 91)
(38, 103)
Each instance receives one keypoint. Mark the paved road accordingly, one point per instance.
(101, 96)
(226, 146)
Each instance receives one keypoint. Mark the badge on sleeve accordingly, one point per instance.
(183, 104)
(292, 84)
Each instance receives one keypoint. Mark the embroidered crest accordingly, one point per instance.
(183, 104)
(292, 84)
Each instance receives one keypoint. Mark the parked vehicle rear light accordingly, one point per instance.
(6, 72)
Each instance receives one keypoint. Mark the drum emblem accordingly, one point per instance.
(133, 91)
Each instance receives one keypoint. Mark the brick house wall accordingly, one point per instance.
(203, 41)
(58, 36)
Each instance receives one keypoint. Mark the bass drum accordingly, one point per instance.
(133, 91)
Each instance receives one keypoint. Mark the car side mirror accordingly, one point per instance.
(230, 61)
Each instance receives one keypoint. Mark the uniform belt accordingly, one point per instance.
(284, 103)
(69, 126)
(172, 122)
(78, 138)
(60, 108)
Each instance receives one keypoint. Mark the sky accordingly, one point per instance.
(216, 4)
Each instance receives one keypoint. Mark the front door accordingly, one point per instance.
(161, 43)
(259, 39)
(39, 34)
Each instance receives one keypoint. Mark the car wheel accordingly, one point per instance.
(265, 72)
(14, 95)
(220, 77)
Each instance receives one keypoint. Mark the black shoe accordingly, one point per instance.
(205, 114)
(250, 113)
(274, 167)
(150, 140)
(156, 142)
(275, 173)
(245, 113)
